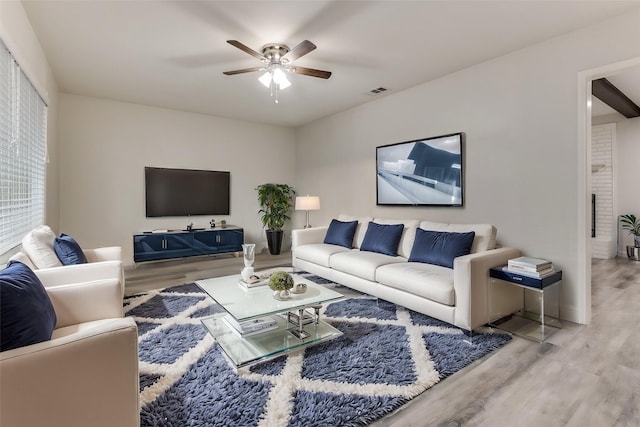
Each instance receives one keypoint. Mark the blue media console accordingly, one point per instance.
(154, 246)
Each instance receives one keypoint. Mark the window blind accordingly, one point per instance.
(23, 152)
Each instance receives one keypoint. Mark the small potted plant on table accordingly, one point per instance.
(280, 282)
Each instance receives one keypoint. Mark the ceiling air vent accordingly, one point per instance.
(378, 90)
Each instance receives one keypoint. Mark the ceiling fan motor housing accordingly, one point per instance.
(274, 52)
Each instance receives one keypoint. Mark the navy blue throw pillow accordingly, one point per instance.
(68, 250)
(26, 313)
(440, 247)
(341, 233)
(382, 238)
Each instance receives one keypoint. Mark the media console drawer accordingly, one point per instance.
(168, 245)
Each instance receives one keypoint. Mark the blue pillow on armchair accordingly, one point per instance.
(26, 313)
(341, 233)
(382, 238)
(68, 250)
(440, 247)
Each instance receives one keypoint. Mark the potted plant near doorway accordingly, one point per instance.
(631, 223)
(275, 205)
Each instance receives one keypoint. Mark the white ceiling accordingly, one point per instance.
(172, 53)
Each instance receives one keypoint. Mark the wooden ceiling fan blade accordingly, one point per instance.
(301, 49)
(246, 49)
(312, 72)
(244, 70)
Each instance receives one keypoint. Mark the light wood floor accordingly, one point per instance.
(583, 376)
(155, 275)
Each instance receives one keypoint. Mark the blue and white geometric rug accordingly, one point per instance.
(387, 356)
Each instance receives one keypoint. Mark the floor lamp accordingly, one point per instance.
(307, 203)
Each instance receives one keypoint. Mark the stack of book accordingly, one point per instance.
(250, 327)
(253, 281)
(531, 267)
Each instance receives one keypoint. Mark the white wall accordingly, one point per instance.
(627, 161)
(603, 137)
(105, 145)
(520, 116)
(20, 39)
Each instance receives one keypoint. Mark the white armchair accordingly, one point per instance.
(38, 250)
(87, 374)
(109, 253)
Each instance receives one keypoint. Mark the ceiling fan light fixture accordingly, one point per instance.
(265, 79)
(280, 79)
(277, 58)
(285, 84)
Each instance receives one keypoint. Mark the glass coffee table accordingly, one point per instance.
(285, 325)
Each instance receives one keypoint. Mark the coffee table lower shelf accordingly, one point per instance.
(245, 351)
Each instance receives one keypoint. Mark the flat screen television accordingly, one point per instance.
(422, 172)
(184, 192)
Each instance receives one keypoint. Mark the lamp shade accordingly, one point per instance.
(307, 203)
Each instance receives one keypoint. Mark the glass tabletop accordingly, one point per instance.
(250, 303)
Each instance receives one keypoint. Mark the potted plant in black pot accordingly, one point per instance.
(630, 223)
(275, 205)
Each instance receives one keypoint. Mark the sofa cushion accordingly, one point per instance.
(484, 240)
(424, 280)
(38, 245)
(361, 263)
(440, 247)
(408, 233)
(382, 238)
(341, 233)
(68, 250)
(318, 253)
(26, 313)
(361, 229)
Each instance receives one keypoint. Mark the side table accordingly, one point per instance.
(535, 325)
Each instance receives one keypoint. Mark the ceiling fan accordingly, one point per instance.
(277, 59)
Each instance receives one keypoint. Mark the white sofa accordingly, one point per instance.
(87, 374)
(458, 295)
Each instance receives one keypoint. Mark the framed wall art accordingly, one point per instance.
(422, 172)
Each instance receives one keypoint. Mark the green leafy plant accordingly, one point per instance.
(275, 204)
(280, 281)
(630, 223)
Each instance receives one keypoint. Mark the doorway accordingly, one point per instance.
(585, 79)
